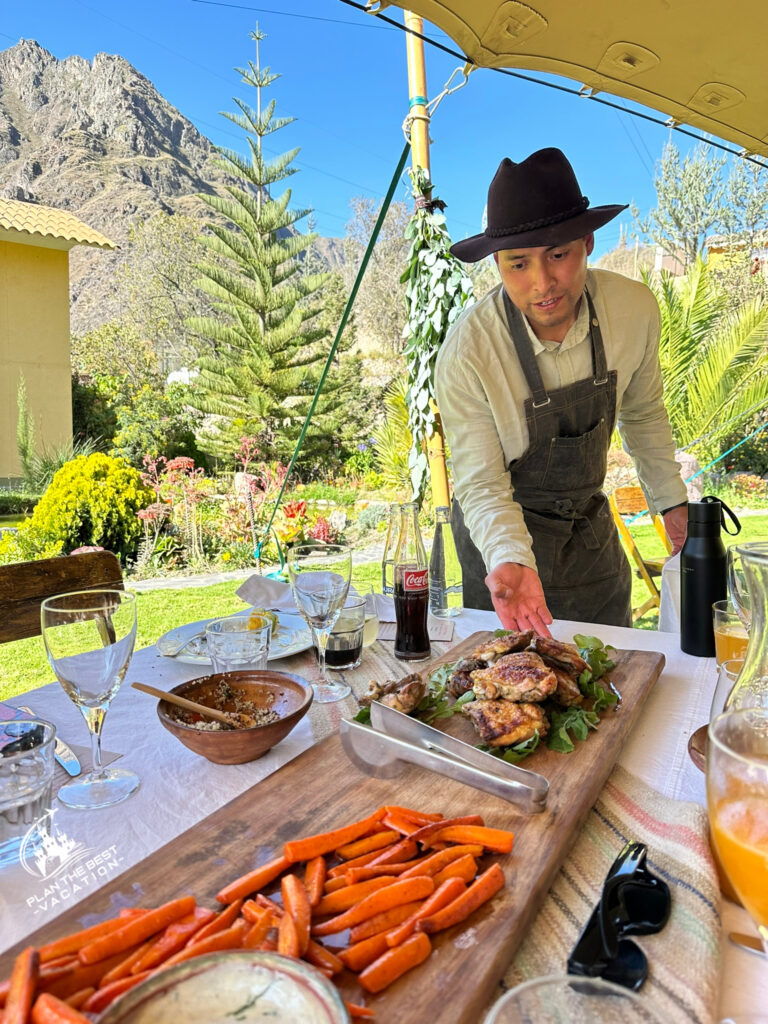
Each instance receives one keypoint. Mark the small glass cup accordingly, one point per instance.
(371, 631)
(236, 644)
(345, 644)
(26, 786)
(731, 637)
(568, 999)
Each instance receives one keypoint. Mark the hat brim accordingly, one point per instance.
(470, 250)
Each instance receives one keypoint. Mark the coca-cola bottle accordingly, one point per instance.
(411, 589)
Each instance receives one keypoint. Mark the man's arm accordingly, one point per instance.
(518, 598)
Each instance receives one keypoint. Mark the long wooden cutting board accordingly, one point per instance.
(321, 789)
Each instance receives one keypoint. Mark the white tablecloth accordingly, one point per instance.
(179, 788)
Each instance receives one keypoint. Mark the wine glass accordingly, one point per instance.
(319, 577)
(567, 999)
(737, 801)
(89, 637)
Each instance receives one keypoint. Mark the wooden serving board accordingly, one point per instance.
(321, 789)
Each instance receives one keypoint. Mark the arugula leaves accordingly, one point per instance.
(595, 653)
(514, 753)
(436, 703)
(572, 720)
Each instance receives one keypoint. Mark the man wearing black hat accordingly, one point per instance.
(531, 382)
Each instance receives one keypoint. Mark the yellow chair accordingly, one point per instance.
(626, 502)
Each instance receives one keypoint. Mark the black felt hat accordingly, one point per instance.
(536, 202)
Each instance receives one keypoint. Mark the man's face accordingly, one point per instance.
(546, 283)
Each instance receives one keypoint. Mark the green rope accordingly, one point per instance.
(343, 323)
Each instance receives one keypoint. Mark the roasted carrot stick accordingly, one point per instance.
(393, 895)
(136, 930)
(353, 875)
(373, 842)
(76, 940)
(219, 923)
(333, 884)
(354, 1010)
(404, 850)
(482, 889)
(428, 831)
(254, 880)
(437, 861)
(50, 1010)
(440, 898)
(174, 938)
(402, 825)
(47, 974)
(357, 862)
(395, 962)
(363, 953)
(464, 868)
(77, 999)
(21, 993)
(232, 938)
(252, 912)
(80, 976)
(420, 817)
(383, 922)
(314, 879)
(322, 957)
(288, 937)
(126, 967)
(258, 931)
(349, 895)
(102, 997)
(296, 904)
(326, 842)
(266, 902)
(498, 840)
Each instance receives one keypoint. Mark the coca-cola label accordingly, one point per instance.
(415, 579)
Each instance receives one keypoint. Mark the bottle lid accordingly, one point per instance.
(708, 510)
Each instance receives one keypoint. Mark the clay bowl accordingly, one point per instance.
(288, 695)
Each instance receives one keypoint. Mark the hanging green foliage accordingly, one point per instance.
(437, 289)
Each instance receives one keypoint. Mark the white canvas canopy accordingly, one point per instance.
(700, 62)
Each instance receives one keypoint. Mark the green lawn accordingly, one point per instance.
(23, 664)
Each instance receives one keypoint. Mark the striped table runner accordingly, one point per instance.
(684, 958)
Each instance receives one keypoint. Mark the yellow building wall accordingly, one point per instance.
(34, 341)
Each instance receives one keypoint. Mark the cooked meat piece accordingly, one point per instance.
(567, 693)
(378, 690)
(501, 723)
(493, 649)
(565, 656)
(461, 681)
(407, 697)
(520, 676)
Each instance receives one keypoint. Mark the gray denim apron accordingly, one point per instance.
(558, 481)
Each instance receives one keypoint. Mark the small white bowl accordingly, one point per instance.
(244, 986)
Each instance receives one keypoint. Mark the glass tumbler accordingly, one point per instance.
(26, 786)
(239, 643)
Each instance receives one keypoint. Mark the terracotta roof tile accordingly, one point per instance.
(31, 219)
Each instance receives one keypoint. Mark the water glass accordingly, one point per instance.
(237, 644)
(371, 631)
(26, 786)
(566, 999)
(731, 637)
(345, 644)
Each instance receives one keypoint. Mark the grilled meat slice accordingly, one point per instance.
(567, 693)
(501, 723)
(517, 677)
(565, 656)
(402, 694)
(493, 649)
(461, 681)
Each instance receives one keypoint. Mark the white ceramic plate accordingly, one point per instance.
(293, 637)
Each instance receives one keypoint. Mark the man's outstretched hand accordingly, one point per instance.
(518, 598)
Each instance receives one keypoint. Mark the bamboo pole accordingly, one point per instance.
(417, 91)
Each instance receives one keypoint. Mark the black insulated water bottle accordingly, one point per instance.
(703, 574)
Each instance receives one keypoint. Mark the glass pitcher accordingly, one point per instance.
(751, 687)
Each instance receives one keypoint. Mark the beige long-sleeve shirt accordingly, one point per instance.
(481, 392)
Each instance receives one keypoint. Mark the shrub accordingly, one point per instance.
(17, 503)
(372, 515)
(748, 487)
(93, 499)
(155, 424)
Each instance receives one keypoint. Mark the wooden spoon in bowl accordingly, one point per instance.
(234, 719)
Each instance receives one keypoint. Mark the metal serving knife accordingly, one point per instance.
(63, 753)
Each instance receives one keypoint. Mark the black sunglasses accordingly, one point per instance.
(633, 902)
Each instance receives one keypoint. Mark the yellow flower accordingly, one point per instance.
(226, 556)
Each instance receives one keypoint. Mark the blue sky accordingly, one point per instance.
(344, 79)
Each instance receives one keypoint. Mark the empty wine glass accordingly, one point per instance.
(89, 637)
(319, 577)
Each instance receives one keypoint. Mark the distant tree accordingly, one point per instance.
(267, 355)
(691, 202)
(380, 309)
(746, 214)
(117, 350)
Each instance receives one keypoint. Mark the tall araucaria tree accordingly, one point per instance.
(268, 349)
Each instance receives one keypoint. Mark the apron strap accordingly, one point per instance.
(598, 349)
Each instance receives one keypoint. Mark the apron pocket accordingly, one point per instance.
(578, 463)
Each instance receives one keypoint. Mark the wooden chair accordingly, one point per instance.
(626, 502)
(25, 585)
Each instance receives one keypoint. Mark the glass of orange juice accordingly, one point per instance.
(731, 637)
(737, 801)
